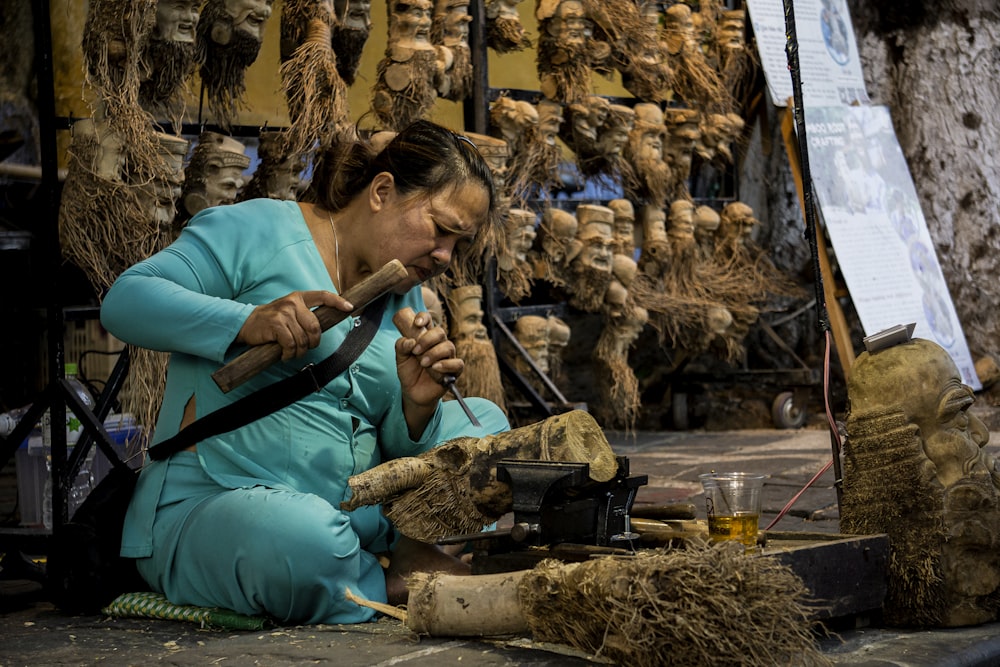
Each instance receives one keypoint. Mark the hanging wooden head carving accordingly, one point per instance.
(230, 34)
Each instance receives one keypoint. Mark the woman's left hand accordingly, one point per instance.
(424, 355)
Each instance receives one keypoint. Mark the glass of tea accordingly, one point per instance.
(732, 504)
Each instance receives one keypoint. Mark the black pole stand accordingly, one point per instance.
(58, 394)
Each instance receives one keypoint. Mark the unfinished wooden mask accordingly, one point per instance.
(230, 34)
(915, 467)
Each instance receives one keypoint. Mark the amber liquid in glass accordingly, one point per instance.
(742, 527)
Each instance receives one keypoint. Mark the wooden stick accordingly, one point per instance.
(259, 357)
(387, 609)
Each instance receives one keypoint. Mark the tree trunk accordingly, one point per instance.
(936, 65)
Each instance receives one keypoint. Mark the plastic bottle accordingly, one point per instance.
(84, 480)
(10, 420)
(75, 494)
(74, 427)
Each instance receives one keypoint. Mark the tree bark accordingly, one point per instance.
(936, 65)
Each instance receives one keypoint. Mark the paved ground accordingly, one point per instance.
(32, 632)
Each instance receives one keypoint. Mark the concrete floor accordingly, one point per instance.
(32, 632)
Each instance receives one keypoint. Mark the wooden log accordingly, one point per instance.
(671, 511)
(259, 357)
(662, 532)
(465, 606)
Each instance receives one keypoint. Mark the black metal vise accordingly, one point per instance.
(558, 511)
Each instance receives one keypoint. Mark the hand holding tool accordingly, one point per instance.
(259, 357)
(403, 320)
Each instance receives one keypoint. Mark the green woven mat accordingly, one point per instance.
(154, 605)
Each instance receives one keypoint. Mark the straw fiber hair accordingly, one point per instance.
(701, 605)
(890, 487)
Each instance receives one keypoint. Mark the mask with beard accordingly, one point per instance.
(348, 44)
(589, 286)
(652, 180)
(405, 91)
(170, 65)
(224, 53)
(504, 35)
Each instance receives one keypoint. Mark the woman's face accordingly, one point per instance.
(424, 232)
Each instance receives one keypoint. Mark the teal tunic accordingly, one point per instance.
(252, 521)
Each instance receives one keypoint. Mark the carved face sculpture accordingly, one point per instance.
(569, 24)
(559, 333)
(215, 173)
(466, 305)
(410, 24)
(550, 119)
(596, 233)
(624, 225)
(532, 332)
(558, 233)
(176, 21)
(706, 222)
(503, 9)
(520, 233)
(248, 17)
(737, 221)
(655, 246)
(513, 118)
(456, 22)
(917, 469)
(167, 189)
(433, 305)
(681, 220)
(613, 135)
(354, 14)
(647, 133)
(678, 29)
(730, 33)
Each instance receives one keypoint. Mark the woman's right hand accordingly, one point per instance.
(290, 322)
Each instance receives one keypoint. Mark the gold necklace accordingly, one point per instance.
(336, 252)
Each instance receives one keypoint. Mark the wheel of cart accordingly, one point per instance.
(787, 411)
(789, 406)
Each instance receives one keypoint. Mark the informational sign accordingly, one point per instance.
(870, 209)
(828, 53)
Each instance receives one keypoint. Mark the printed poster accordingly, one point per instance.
(870, 209)
(828, 53)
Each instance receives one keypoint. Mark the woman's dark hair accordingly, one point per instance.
(423, 157)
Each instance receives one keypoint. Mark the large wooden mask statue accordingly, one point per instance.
(915, 467)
